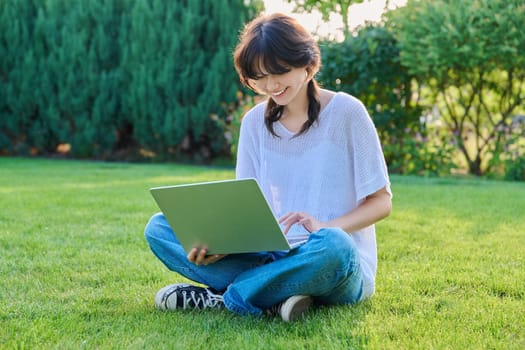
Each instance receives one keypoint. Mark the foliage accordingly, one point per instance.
(78, 76)
(367, 65)
(510, 159)
(236, 111)
(515, 168)
(17, 106)
(468, 54)
(110, 76)
(60, 81)
(180, 73)
(326, 8)
(78, 274)
(425, 153)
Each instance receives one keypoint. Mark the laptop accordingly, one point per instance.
(226, 217)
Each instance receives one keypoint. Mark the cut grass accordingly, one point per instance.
(76, 271)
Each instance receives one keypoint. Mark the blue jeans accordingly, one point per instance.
(326, 267)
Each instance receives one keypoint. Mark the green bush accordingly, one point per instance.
(106, 76)
(469, 56)
(179, 73)
(508, 158)
(18, 72)
(80, 74)
(368, 66)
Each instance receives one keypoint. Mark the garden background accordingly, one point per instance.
(90, 90)
(153, 80)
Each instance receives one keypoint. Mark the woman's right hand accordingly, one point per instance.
(310, 223)
(199, 256)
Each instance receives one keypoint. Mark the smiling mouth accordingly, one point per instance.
(279, 93)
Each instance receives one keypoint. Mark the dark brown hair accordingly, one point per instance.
(278, 43)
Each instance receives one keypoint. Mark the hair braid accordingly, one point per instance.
(274, 111)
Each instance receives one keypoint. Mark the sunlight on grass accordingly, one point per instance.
(77, 272)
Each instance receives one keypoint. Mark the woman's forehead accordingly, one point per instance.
(264, 65)
(259, 66)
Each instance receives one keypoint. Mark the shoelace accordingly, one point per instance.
(204, 299)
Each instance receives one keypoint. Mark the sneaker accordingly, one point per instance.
(186, 296)
(292, 308)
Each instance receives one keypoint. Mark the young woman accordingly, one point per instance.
(317, 157)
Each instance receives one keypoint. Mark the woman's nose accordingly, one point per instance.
(272, 82)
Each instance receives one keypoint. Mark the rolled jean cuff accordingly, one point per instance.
(229, 301)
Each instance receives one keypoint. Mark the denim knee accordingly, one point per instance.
(342, 258)
(340, 246)
(154, 228)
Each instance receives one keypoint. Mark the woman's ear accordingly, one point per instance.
(310, 72)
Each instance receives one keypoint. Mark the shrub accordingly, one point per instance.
(368, 66)
(108, 75)
(469, 56)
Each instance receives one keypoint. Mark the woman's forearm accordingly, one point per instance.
(374, 208)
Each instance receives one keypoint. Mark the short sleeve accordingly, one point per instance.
(369, 166)
(247, 164)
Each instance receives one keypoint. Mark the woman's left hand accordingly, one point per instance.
(310, 223)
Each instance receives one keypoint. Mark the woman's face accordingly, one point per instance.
(282, 88)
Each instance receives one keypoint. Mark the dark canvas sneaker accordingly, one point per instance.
(182, 296)
(292, 308)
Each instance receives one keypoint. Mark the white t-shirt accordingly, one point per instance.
(325, 172)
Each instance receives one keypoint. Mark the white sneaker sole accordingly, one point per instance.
(294, 307)
(162, 301)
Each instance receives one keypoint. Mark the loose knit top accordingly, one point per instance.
(325, 172)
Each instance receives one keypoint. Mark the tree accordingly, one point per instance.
(58, 76)
(326, 8)
(368, 66)
(18, 73)
(110, 77)
(469, 55)
(176, 56)
(79, 75)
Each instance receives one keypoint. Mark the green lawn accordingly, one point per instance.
(76, 272)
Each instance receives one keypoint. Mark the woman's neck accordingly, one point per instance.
(298, 108)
